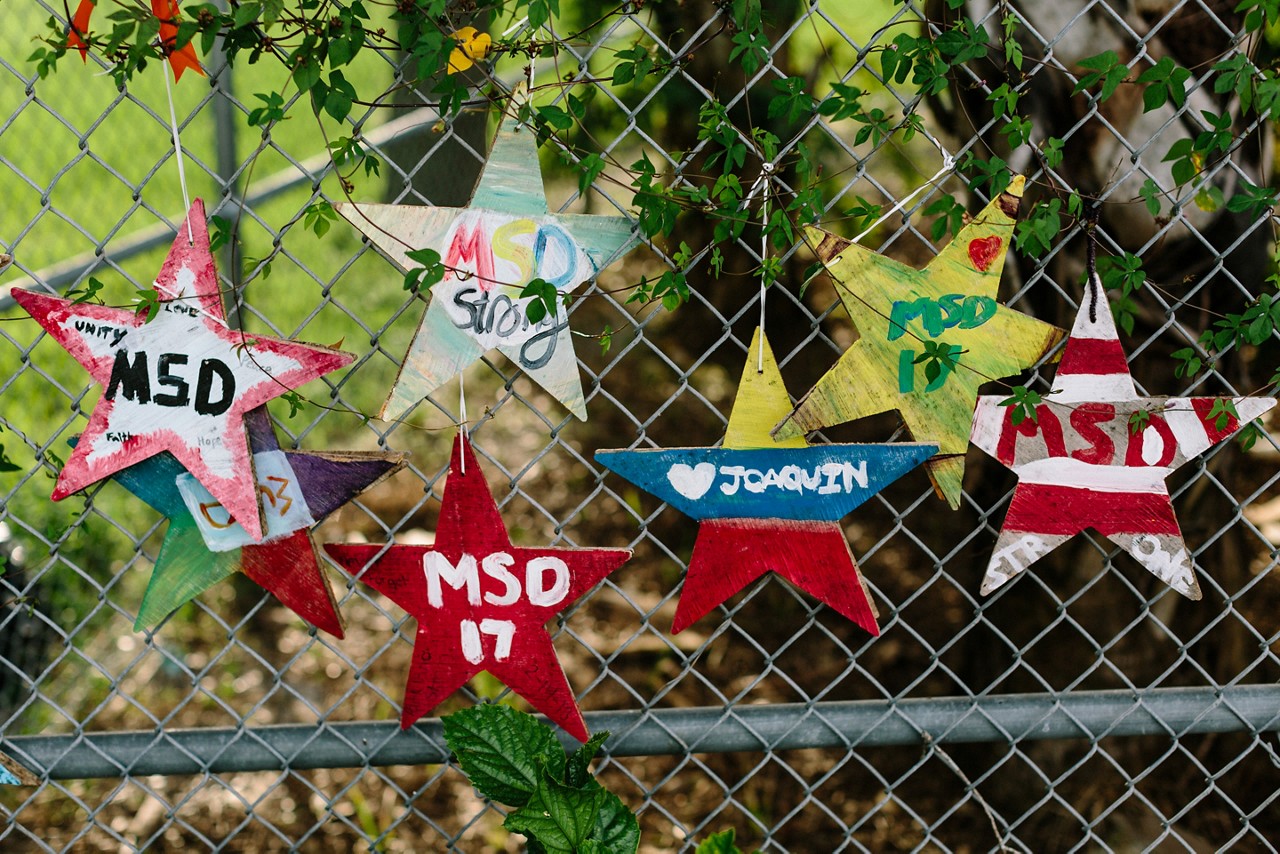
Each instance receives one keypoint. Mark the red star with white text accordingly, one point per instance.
(480, 602)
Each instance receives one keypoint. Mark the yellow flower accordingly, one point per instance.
(471, 48)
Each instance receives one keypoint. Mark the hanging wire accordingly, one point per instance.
(948, 164)
(762, 185)
(177, 148)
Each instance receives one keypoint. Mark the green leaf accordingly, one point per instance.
(719, 843)
(340, 96)
(1035, 234)
(271, 111)
(994, 174)
(1012, 48)
(89, 293)
(577, 771)
(1189, 362)
(1150, 194)
(793, 101)
(1209, 198)
(1052, 150)
(430, 273)
(1223, 412)
(1138, 421)
(1249, 435)
(1125, 312)
(271, 11)
(1122, 273)
(148, 304)
(503, 751)
(635, 63)
(617, 831)
(844, 102)
(7, 465)
(246, 13)
(1259, 14)
(1018, 130)
(544, 299)
(746, 14)
(541, 11)
(950, 215)
(1253, 200)
(1236, 75)
(1166, 82)
(556, 117)
(1106, 70)
(590, 166)
(1004, 101)
(561, 818)
(750, 50)
(306, 71)
(1023, 402)
(317, 217)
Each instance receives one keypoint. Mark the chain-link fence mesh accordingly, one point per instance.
(1085, 706)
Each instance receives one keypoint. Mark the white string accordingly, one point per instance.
(764, 272)
(948, 164)
(462, 423)
(762, 183)
(173, 295)
(177, 147)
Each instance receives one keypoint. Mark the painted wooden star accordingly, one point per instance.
(480, 602)
(766, 506)
(14, 773)
(1096, 455)
(506, 238)
(180, 381)
(203, 546)
(897, 311)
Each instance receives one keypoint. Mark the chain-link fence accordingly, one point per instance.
(1085, 706)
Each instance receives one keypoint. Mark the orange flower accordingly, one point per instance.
(165, 10)
(180, 59)
(80, 28)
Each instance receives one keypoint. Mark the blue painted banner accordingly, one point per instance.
(820, 483)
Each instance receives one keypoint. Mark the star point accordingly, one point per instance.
(480, 602)
(1096, 455)
(505, 239)
(896, 310)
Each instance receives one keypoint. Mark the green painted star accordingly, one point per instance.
(506, 239)
(904, 315)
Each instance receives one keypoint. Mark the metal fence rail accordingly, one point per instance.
(1085, 706)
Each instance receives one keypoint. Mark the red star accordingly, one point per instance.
(480, 602)
(181, 381)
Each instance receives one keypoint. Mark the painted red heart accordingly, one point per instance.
(983, 251)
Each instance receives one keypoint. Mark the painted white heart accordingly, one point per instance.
(692, 481)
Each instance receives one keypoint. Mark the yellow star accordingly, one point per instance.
(898, 310)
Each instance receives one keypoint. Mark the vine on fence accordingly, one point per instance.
(315, 39)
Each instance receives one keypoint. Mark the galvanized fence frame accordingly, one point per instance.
(793, 762)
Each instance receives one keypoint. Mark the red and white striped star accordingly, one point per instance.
(1096, 455)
